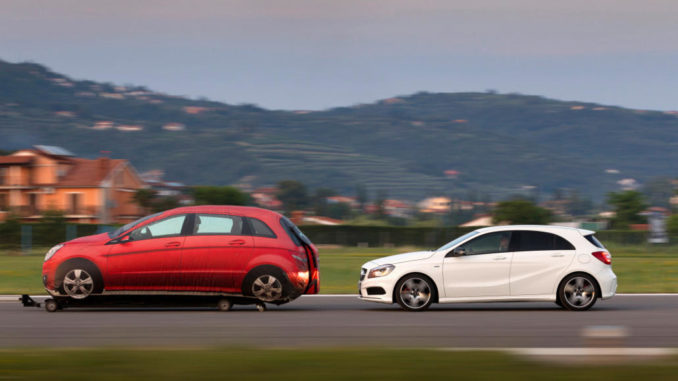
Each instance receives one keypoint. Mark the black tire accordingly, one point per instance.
(79, 280)
(415, 292)
(558, 302)
(51, 305)
(224, 304)
(578, 292)
(267, 284)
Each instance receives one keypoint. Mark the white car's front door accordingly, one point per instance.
(482, 271)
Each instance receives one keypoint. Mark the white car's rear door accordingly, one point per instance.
(538, 263)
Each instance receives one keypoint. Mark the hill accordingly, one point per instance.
(490, 143)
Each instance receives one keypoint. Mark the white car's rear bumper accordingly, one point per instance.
(608, 283)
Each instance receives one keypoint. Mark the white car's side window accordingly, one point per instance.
(497, 242)
(539, 241)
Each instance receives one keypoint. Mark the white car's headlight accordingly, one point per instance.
(52, 251)
(380, 271)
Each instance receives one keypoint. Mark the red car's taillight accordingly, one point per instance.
(603, 256)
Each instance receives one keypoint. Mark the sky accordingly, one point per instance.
(317, 54)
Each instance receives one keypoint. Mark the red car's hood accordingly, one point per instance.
(96, 238)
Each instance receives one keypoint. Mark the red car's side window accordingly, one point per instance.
(217, 224)
(164, 228)
(260, 229)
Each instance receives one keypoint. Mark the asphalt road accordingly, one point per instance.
(650, 321)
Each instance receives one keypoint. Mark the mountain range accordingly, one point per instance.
(409, 146)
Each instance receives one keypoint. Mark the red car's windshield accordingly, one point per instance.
(130, 225)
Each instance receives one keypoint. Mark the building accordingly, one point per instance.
(266, 198)
(351, 201)
(435, 205)
(154, 179)
(478, 222)
(398, 208)
(101, 190)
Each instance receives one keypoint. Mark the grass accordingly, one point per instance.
(639, 268)
(297, 364)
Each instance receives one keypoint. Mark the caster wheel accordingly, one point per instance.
(51, 305)
(224, 305)
(261, 307)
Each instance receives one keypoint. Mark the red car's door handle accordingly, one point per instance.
(173, 244)
(237, 242)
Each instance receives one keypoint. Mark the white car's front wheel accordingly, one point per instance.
(415, 292)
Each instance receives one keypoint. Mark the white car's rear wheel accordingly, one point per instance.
(578, 292)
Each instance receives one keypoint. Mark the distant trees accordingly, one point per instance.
(658, 191)
(320, 204)
(574, 203)
(144, 198)
(627, 207)
(520, 212)
(672, 225)
(361, 196)
(380, 204)
(149, 200)
(219, 195)
(338, 210)
(292, 194)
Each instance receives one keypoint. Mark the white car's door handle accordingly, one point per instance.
(557, 255)
(500, 258)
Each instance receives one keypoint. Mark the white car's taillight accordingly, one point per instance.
(603, 256)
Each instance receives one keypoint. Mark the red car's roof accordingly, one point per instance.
(248, 211)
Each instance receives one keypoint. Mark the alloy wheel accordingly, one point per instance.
(415, 293)
(78, 284)
(579, 292)
(267, 288)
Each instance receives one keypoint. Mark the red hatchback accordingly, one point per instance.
(231, 251)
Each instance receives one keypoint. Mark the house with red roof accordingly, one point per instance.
(43, 178)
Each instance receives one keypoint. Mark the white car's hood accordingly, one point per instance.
(400, 258)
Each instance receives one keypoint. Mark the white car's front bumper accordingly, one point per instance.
(376, 289)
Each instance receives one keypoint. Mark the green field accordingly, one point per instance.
(639, 268)
(317, 364)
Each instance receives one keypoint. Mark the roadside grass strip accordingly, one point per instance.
(315, 364)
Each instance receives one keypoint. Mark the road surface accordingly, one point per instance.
(649, 320)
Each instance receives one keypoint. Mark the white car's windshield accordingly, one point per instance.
(458, 240)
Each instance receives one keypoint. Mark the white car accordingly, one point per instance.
(504, 263)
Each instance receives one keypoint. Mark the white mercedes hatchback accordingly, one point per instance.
(504, 263)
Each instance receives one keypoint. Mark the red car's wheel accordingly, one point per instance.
(267, 288)
(267, 284)
(80, 280)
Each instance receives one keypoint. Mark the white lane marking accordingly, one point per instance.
(573, 351)
(15, 298)
(356, 294)
(10, 298)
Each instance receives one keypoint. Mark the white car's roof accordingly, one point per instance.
(543, 228)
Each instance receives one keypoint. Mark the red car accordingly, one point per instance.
(228, 251)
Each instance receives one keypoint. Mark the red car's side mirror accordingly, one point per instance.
(123, 239)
